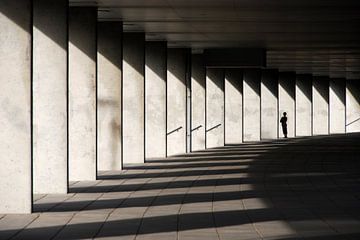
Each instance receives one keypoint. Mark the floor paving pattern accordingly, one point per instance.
(301, 188)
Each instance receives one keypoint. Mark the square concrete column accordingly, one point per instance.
(198, 81)
(320, 105)
(133, 91)
(269, 104)
(82, 93)
(287, 101)
(215, 107)
(176, 100)
(50, 96)
(155, 99)
(109, 72)
(303, 105)
(233, 106)
(15, 110)
(251, 103)
(337, 110)
(352, 105)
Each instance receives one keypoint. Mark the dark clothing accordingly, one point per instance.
(283, 121)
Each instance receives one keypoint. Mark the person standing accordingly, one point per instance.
(283, 121)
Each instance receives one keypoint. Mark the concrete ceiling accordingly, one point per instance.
(308, 36)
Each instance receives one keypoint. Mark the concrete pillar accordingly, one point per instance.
(269, 104)
(133, 98)
(155, 99)
(320, 105)
(352, 106)
(251, 102)
(337, 112)
(50, 96)
(82, 93)
(214, 107)
(176, 100)
(109, 70)
(287, 101)
(303, 105)
(198, 81)
(15, 101)
(233, 106)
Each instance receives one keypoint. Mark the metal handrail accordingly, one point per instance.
(175, 130)
(352, 122)
(198, 127)
(213, 127)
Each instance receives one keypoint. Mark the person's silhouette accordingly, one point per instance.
(283, 121)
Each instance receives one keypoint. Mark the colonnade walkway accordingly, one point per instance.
(300, 188)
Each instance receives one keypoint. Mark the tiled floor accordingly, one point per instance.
(306, 188)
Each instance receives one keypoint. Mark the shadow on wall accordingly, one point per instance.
(339, 89)
(304, 83)
(321, 85)
(301, 181)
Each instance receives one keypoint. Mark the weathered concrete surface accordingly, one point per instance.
(198, 81)
(15, 118)
(352, 106)
(109, 60)
(214, 107)
(50, 96)
(233, 106)
(133, 98)
(82, 93)
(251, 104)
(287, 101)
(303, 105)
(155, 99)
(269, 104)
(337, 110)
(320, 105)
(176, 100)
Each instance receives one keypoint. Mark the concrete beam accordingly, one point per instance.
(269, 104)
(176, 100)
(320, 105)
(133, 91)
(287, 101)
(337, 110)
(82, 93)
(251, 101)
(198, 81)
(109, 72)
(15, 110)
(50, 96)
(233, 106)
(303, 105)
(352, 106)
(214, 107)
(155, 99)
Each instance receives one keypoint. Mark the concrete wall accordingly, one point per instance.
(82, 93)
(109, 59)
(198, 79)
(337, 110)
(287, 101)
(269, 104)
(50, 96)
(133, 98)
(233, 106)
(176, 100)
(214, 107)
(15, 119)
(352, 105)
(303, 105)
(251, 104)
(320, 101)
(155, 99)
